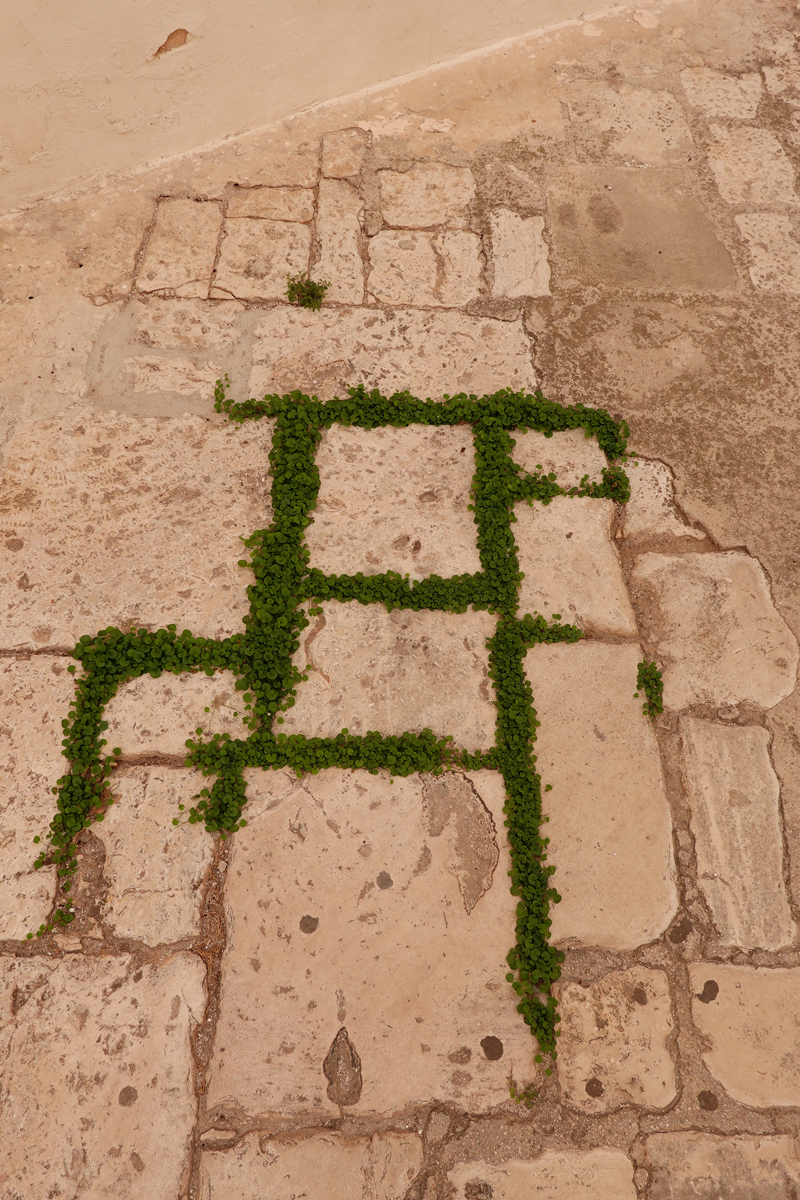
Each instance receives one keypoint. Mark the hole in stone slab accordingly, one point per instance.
(708, 1101)
(178, 38)
(710, 991)
(492, 1047)
(342, 1069)
(681, 931)
(594, 1088)
(640, 995)
(309, 924)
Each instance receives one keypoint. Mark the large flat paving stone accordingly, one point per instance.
(113, 520)
(734, 796)
(610, 829)
(98, 1083)
(720, 636)
(749, 1018)
(427, 194)
(555, 1175)
(683, 1166)
(634, 123)
(257, 255)
(157, 716)
(774, 252)
(181, 249)
(719, 95)
(392, 672)
(395, 500)
(751, 167)
(368, 923)
(568, 454)
(410, 267)
(613, 1045)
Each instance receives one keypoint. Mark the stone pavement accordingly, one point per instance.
(318, 1005)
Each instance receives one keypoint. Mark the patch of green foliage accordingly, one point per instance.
(305, 292)
(649, 681)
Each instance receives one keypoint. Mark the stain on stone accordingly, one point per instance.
(708, 1101)
(492, 1047)
(594, 1088)
(14, 543)
(605, 215)
(461, 1056)
(478, 1189)
(452, 800)
(309, 924)
(342, 1069)
(460, 1079)
(738, 799)
(600, 736)
(128, 1096)
(640, 995)
(710, 991)
(681, 931)
(138, 1164)
(567, 216)
(424, 861)
(384, 881)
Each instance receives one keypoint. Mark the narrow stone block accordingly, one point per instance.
(519, 255)
(180, 252)
(272, 203)
(339, 232)
(257, 256)
(554, 1175)
(426, 195)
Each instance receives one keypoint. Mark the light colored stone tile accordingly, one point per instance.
(783, 79)
(339, 232)
(195, 326)
(610, 829)
(429, 353)
(555, 1175)
(328, 1164)
(751, 167)
(395, 500)
(156, 716)
(736, 1168)
(98, 1080)
(635, 123)
(750, 1020)
(35, 695)
(651, 510)
(569, 454)
(734, 796)
(719, 634)
(257, 256)
(181, 250)
(343, 153)
(458, 253)
(157, 373)
(508, 185)
(112, 520)
(721, 95)
(613, 1045)
(374, 907)
(774, 251)
(403, 268)
(571, 566)
(154, 868)
(427, 194)
(519, 255)
(272, 203)
(395, 672)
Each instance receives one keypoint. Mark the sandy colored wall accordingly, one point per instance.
(83, 90)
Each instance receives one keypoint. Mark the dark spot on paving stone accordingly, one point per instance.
(384, 881)
(681, 931)
(342, 1069)
(401, 542)
(600, 736)
(492, 1047)
(128, 1096)
(594, 1088)
(567, 535)
(309, 924)
(640, 995)
(710, 991)
(454, 800)
(137, 977)
(424, 861)
(14, 544)
(460, 1078)
(461, 1056)
(606, 217)
(137, 1162)
(478, 1189)
(416, 546)
(708, 1101)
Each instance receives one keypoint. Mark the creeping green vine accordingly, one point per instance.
(649, 681)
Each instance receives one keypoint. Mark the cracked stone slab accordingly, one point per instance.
(256, 257)
(719, 95)
(408, 267)
(428, 194)
(609, 821)
(114, 520)
(519, 255)
(343, 153)
(569, 454)
(272, 203)
(634, 123)
(727, 1168)
(717, 629)
(378, 908)
(774, 246)
(328, 1164)
(751, 167)
(651, 510)
(395, 500)
(555, 1175)
(429, 353)
(156, 716)
(98, 1080)
(749, 1018)
(613, 1045)
(339, 231)
(571, 567)
(734, 796)
(182, 247)
(392, 672)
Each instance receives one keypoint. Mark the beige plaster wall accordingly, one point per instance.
(84, 91)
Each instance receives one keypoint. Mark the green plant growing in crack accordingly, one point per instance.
(650, 681)
(305, 292)
(286, 587)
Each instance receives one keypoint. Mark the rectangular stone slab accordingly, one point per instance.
(555, 1175)
(741, 1168)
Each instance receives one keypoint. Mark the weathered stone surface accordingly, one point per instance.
(613, 1045)
(721, 95)
(339, 232)
(634, 123)
(651, 510)
(519, 255)
(154, 868)
(348, 907)
(458, 253)
(393, 672)
(750, 166)
(684, 1165)
(783, 79)
(424, 269)
(328, 1164)
(152, 373)
(568, 453)
(343, 153)
(610, 829)
(774, 251)
(555, 1175)
(181, 250)
(256, 257)
(734, 796)
(750, 1020)
(571, 566)
(395, 500)
(156, 716)
(97, 1075)
(427, 194)
(719, 634)
(629, 227)
(273, 203)
(429, 353)
(111, 520)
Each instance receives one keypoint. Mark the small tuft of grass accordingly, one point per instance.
(307, 293)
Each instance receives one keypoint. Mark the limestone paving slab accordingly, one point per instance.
(98, 1081)
(684, 1165)
(734, 796)
(181, 249)
(156, 716)
(327, 1164)
(556, 1175)
(272, 203)
(343, 153)
(751, 167)
(519, 255)
(774, 246)
(651, 510)
(613, 1045)
(569, 454)
(409, 267)
(395, 500)
(749, 1018)
(380, 909)
(570, 564)
(427, 194)
(719, 95)
(392, 672)
(113, 520)
(339, 209)
(256, 257)
(609, 822)
(720, 636)
(633, 123)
